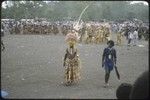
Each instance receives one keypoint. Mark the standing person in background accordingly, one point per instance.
(127, 30)
(2, 35)
(135, 37)
(2, 44)
(109, 60)
(130, 38)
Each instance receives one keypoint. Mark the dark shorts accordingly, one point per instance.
(129, 41)
(109, 66)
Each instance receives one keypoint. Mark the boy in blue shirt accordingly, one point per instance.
(109, 60)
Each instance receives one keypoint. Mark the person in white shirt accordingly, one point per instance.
(135, 37)
(130, 38)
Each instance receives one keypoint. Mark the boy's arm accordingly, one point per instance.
(103, 57)
(65, 58)
(115, 56)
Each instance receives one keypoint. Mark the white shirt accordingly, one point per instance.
(135, 34)
(131, 36)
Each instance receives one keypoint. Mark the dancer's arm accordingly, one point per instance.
(103, 57)
(65, 58)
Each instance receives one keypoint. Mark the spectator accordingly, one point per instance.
(135, 37)
(130, 38)
(139, 90)
(123, 91)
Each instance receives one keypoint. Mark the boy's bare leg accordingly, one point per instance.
(107, 75)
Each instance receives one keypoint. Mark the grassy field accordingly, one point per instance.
(31, 67)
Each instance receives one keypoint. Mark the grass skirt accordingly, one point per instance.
(72, 70)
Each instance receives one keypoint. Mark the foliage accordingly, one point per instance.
(65, 10)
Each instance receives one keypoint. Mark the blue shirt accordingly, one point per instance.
(109, 57)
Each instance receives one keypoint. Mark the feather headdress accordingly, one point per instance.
(71, 37)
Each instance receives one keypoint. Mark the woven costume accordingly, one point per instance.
(71, 61)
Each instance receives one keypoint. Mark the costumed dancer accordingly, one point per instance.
(98, 35)
(119, 37)
(71, 60)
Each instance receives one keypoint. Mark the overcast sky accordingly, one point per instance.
(133, 2)
(146, 3)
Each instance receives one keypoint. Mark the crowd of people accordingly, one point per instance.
(32, 26)
(89, 31)
(89, 28)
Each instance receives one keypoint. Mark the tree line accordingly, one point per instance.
(70, 10)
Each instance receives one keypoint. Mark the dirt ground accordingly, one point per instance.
(31, 67)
